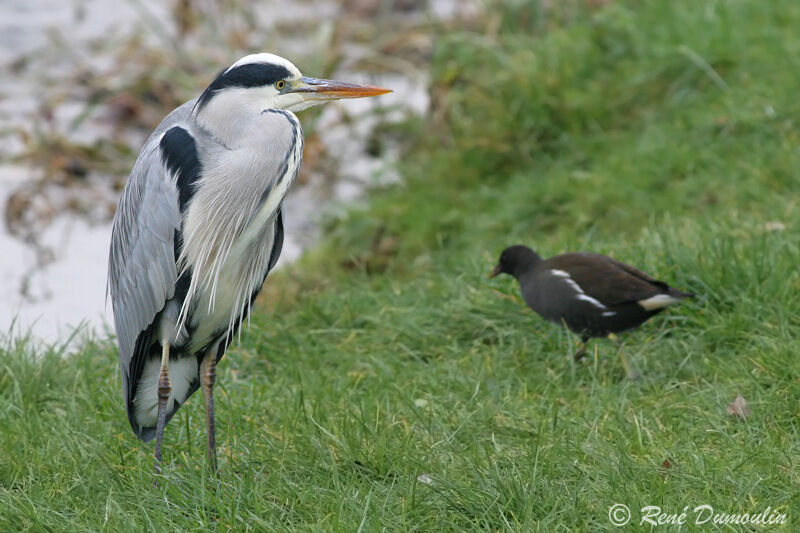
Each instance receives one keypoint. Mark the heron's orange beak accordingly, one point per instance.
(334, 90)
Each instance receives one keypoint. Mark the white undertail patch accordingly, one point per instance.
(658, 301)
(581, 294)
(181, 374)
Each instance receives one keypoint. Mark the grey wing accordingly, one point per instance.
(141, 263)
(609, 281)
(142, 269)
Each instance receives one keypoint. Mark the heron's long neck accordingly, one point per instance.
(229, 118)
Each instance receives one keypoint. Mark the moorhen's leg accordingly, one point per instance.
(577, 356)
(630, 370)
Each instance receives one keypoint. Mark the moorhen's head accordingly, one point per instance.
(515, 260)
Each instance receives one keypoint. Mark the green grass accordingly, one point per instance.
(662, 133)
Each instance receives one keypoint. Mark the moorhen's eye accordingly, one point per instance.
(280, 85)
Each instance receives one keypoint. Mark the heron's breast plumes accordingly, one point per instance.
(229, 227)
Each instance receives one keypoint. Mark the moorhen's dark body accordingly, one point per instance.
(593, 295)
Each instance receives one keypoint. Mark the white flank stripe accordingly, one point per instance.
(581, 294)
(609, 313)
(593, 301)
(658, 301)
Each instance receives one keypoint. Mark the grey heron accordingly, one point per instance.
(198, 228)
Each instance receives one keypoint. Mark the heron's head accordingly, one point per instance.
(266, 81)
(514, 259)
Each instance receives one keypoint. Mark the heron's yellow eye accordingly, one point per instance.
(280, 85)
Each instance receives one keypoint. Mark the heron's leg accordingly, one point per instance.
(164, 390)
(208, 375)
(630, 370)
(582, 350)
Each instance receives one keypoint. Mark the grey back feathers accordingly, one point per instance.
(141, 266)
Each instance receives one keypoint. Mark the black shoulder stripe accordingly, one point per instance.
(277, 243)
(248, 75)
(179, 152)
